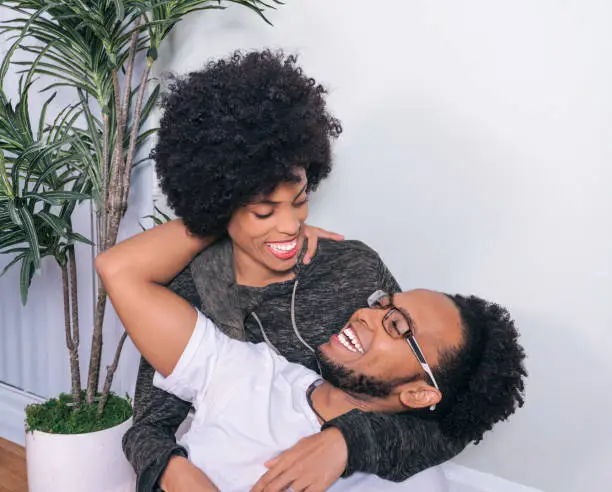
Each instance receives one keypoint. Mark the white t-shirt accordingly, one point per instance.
(250, 405)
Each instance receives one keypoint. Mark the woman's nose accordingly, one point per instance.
(289, 223)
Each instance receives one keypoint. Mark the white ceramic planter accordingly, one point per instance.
(91, 462)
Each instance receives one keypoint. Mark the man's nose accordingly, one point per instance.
(369, 317)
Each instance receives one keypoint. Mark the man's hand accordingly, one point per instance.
(183, 476)
(313, 234)
(313, 464)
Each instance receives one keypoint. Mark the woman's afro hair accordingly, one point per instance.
(481, 382)
(235, 130)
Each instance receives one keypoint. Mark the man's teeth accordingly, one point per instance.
(349, 339)
(283, 247)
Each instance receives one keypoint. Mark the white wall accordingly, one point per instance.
(476, 158)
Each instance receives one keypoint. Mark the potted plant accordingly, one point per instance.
(42, 179)
(102, 51)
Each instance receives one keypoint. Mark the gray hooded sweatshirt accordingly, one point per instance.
(293, 317)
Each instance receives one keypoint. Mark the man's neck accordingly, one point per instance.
(330, 402)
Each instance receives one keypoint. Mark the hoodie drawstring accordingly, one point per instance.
(261, 328)
(293, 324)
(296, 331)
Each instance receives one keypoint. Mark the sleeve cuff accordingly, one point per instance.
(148, 480)
(359, 437)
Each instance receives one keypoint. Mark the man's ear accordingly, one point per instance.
(418, 394)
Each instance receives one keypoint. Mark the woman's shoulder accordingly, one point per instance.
(329, 251)
(344, 259)
(349, 268)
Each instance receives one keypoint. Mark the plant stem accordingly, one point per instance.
(115, 215)
(110, 229)
(93, 378)
(127, 88)
(127, 176)
(101, 207)
(113, 203)
(75, 371)
(110, 373)
(74, 301)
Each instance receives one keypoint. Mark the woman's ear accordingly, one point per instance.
(418, 394)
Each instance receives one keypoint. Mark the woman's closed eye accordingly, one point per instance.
(301, 203)
(262, 210)
(265, 215)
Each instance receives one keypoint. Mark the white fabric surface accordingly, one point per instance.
(250, 404)
(463, 479)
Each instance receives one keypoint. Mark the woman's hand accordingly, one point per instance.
(313, 234)
(313, 464)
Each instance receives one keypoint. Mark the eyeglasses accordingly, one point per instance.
(398, 324)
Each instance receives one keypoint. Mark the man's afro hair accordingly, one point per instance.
(237, 129)
(481, 382)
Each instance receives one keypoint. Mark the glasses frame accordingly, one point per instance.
(374, 302)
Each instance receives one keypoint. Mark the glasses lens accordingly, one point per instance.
(395, 324)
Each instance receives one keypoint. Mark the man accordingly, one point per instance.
(448, 358)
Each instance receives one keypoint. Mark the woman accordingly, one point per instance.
(242, 143)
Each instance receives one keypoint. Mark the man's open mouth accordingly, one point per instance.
(348, 337)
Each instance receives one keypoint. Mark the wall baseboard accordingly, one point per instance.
(12, 412)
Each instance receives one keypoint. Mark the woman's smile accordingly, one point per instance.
(283, 250)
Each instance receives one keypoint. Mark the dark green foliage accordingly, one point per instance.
(57, 416)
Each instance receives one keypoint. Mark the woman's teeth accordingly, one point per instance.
(283, 250)
(350, 340)
(283, 246)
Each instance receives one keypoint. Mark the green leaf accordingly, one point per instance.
(91, 125)
(140, 161)
(28, 267)
(10, 239)
(11, 251)
(13, 262)
(75, 236)
(7, 59)
(150, 104)
(83, 184)
(31, 235)
(120, 9)
(59, 225)
(57, 197)
(46, 177)
(43, 114)
(12, 210)
(142, 138)
(5, 185)
(166, 217)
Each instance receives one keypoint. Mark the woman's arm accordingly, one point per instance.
(393, 446)
(133, 272)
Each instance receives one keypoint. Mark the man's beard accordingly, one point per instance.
(353, 382)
